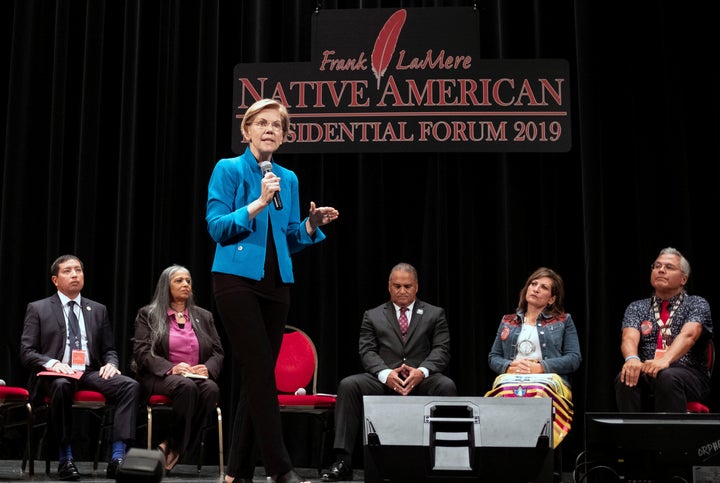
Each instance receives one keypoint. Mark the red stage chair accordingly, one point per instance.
(94, 403)
(14, 400)
(696, 406)
(297, 368)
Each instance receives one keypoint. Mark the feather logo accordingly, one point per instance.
(386, 42)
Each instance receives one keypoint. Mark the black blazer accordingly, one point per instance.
(427, 343)
(211, 351)
(45, 336)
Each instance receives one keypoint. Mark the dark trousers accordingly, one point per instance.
(349, 408)
(193, 401)
(121, 391)
(669, 392)
(254, 316)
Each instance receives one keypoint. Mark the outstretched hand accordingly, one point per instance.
(321, 215)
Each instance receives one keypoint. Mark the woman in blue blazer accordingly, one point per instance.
(253, 215)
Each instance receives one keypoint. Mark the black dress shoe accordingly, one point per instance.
(339, 471)
(113, 467)
(67, 471)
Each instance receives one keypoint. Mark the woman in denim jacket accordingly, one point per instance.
(536, 349)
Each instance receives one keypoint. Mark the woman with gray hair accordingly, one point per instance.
(178, 354)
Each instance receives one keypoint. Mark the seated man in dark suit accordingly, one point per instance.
(404, 348)
(71, 336)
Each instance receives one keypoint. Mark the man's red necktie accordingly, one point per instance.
(664, 315)
(403, 320)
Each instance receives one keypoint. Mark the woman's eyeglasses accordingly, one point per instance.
(263, 124)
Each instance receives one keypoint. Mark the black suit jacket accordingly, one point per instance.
(158, 364)
(45, 336)
(427, 343)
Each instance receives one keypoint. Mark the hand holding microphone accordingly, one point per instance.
(266, 166)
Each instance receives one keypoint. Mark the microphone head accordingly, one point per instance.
(300, 392)
(265, 166)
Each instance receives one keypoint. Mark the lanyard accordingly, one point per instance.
(665, 326)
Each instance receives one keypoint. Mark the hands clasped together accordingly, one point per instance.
(185, 368)
(525, 366)
(404, 386)
(634, 367)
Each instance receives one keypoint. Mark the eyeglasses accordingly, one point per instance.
(263, 124)
(667, 266)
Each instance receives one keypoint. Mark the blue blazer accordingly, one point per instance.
(240, 242)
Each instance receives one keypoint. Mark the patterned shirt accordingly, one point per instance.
(641, 315)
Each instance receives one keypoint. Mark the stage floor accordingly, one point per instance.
(10, 471)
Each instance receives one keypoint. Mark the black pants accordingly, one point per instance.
(669, 392)
(254, 315)
(193, 401)
(121, 391)
(349, 409)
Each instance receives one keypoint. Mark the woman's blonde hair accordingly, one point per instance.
(261, 105)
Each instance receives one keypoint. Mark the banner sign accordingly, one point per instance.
(402, 80)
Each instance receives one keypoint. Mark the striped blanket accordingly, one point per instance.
(539, 385)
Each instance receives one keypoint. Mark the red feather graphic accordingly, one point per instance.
(386, 43)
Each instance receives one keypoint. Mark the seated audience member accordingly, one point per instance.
(404, 347)
(664, 343)
(179, 354)
(70, 335)
(536, 349)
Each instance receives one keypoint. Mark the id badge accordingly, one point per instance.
(78, 360)
(659, 353)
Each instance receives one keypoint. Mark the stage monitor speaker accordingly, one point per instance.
(142, 466)
(458, 439)
(657, 447)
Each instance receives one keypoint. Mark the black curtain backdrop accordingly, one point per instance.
(114, 113)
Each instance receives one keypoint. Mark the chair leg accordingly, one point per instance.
(106, 422)
(149, 427)
(327, 432)
(28, 457)
(99, 443)
(45, 442)
(201, 450)
(220, 442)
(46, 446)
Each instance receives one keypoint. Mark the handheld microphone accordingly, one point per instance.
(266, 166)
